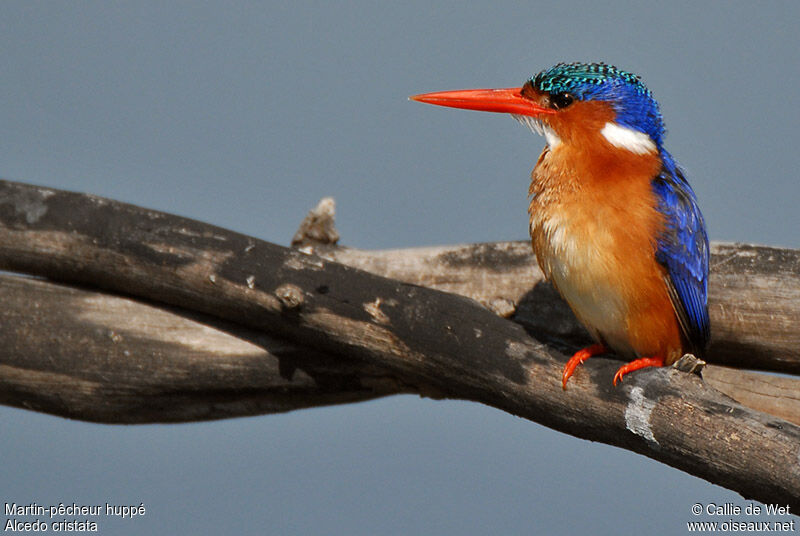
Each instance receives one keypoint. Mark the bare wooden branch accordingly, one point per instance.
(776, 395)
(95, 356)
(428, 340)
(146, 363)
(108, 358)
(754, 300)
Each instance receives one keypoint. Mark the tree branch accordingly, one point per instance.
(84, 354)
(754, 300)
(427, 340)
(112, 359)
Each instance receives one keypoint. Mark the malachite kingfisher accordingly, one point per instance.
(614, 224)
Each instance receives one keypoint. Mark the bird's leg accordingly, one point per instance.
(636, 365)
(579, 357)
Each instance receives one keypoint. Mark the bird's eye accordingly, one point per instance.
(561, 100)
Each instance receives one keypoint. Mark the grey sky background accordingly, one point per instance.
(245, 114)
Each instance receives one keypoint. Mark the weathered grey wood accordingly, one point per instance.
(432, 341)
(754, 299)
(146, 363)
(112, 359)
(95, 356)
(776, 395)
(755, 306)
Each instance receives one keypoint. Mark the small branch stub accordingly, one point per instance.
(290, 296)
(318, 227)
(689, 363)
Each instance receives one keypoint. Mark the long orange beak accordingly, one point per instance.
(509, 100)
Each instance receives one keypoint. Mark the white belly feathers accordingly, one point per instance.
(582, 269)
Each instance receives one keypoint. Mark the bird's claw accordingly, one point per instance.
(578, 358)
(637, 364)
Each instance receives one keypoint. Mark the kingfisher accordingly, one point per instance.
(614, 224)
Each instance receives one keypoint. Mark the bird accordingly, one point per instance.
(615, 225)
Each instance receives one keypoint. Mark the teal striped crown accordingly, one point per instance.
(632, 101)
(585, 79)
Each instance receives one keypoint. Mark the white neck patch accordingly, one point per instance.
(627, 138)
(540, 128)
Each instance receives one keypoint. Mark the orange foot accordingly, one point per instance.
(579, 357)
(638, 364)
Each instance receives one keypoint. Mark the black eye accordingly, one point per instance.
(561, 100)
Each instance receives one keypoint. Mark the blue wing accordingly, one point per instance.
(683, 250)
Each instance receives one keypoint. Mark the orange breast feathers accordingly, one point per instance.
(593, 226)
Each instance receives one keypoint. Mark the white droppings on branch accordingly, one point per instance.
(637, 414)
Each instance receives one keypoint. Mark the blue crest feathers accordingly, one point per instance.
(632, 101)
